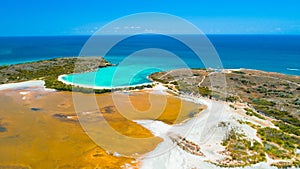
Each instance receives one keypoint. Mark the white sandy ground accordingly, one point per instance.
(36, 84)
(157, 89)
(27, 84)
(202, 130)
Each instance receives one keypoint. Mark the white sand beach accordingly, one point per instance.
(60, 78)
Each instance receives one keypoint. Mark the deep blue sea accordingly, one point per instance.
(275, 53)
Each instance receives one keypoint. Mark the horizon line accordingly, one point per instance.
(209, 34)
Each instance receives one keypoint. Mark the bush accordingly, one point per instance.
(250, 112)
(232, 98)
(288, 128)
(280, 115)
(263, 102)
(239, 72)
(244, 150)
(279, 137)
(174, 83)
(204, 91)
(275, 151)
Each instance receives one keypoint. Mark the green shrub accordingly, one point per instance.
(204, 91)
(288, 128)
(239, 72)
(263, 102)
(242, 149)
(174, 83)
(279, 137)
(231, 98)
(250, 112)
(275, 151)
(280, 115)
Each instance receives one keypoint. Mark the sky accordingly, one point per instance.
(78, 17)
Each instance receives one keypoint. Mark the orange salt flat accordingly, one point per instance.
(42, 138)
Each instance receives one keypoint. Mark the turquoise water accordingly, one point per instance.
(130, 71)
(275, 53)
(138, 57)
(111, 77)
(141, 56)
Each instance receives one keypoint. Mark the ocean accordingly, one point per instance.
(273, 53)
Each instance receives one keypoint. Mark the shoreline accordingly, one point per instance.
(60, 78)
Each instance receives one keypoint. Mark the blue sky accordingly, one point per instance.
(68, 17)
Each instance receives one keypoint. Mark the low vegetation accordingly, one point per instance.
(283, 115)
(250, 112)
(280, 146)
(287, 142)
(241, 151)
(232, 98)
(239, 72)
(205, 91)
(288, 128)
(275, 152)
(269, 94)
(263, 102)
